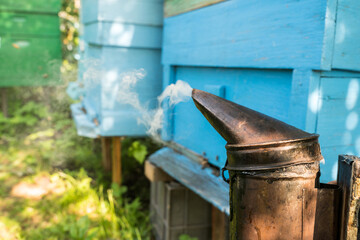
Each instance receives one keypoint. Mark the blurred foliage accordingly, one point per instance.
(39, 140)
(69, 26)
(186, 237)
(138, 151)
(52, 183)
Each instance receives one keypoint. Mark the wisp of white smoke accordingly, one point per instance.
(152, 118)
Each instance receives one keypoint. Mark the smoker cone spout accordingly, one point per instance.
(273, 171)
(256, 141)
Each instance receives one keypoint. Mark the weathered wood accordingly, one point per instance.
(116, 160)
(220, 225)
(106, 153)
(155, 174)
(349, 181)
(327, 212)
(175, 7)
(4, 103)
(191, 174)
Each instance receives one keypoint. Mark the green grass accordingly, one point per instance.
(52, 184)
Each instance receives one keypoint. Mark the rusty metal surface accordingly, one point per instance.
(276, 205)
(240, 125)
(273, 168)
(256, 141)
(327, 212)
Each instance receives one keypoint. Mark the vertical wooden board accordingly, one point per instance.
(116, 160)
(329, 35)
(349, 181)
(327, 212)
(4, 102)
(313, 103)
(300, 91)
(106, 153)
(265, 34)
(168, 127)
(220, 225)
(175, 7)
(347, 39)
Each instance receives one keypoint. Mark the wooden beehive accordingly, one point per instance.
(296, 61)
(119, 37)
(30, 47)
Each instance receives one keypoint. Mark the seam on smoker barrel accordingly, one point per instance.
(301, 141)
(270, 166)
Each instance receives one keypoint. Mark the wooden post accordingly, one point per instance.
(219, 225)
(116, 160)
(349, 181)
(106, 153)
(4, 104)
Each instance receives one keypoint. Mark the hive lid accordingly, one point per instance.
(256, 141)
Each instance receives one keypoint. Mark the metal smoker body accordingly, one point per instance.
(273, 169)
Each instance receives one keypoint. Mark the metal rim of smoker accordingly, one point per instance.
(273, 155)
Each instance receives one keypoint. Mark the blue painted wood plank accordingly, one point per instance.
(105, 68)
(84, 126)
(267, 34)
(192, 175)
(339, 88)
(122, 122)
(313, 103)
(337, 125)
(168, 127)
(339, 115)
(145, 12)
(329, 35)
(123, 35)
(339, 74)
(267, 91)
(347, 40)
(116, 63)
(175, 7)
(301, 81)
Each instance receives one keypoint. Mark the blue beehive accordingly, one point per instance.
(119, 38)
(296, 61)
